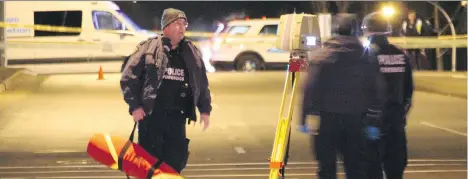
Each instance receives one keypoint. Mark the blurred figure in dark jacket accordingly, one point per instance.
(396, 69)
(344, 88)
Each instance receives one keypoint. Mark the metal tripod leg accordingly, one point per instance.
(280, 153)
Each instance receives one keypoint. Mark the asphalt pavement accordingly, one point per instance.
(44, 129)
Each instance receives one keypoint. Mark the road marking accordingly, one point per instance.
(57, 151)
(459, 76)
(195, 169)
(232, 137)
(240, 150)
(311, 174)
(440, 75)
(443, 128)
(234, 175)
(214, 164)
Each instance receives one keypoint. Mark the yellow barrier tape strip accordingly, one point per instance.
(187, 33)
(47, 42)
(42, 27)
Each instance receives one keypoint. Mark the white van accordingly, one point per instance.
(248, 45)
(71, 52)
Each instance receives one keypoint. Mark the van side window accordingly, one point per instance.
(238, 30)
(103, 20)
(269, 30)
(57, 18)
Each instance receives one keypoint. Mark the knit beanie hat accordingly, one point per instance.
(170, 15)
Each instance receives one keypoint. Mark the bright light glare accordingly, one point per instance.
(217, 44)
(206, 55)
(366, 43)
(219, 28)
(388, 11)
(241, 46)
(311, 40)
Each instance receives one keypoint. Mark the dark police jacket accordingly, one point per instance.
(342, 79)
(142, 75)
(396, 69)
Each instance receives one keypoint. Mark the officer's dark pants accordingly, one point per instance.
(163, 135)
(395, 157)
(415, 61)
(372, 158)
(339, 134)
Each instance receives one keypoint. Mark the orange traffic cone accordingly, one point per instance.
(100, 73)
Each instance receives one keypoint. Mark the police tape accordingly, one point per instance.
(15, 44)
(50, 28)
(428, 42)
(41, 27)
(447, 41)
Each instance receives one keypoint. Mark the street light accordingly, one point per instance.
(388, 11)
(385, 14)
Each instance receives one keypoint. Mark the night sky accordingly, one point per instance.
(203, 14)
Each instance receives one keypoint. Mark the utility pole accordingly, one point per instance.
(3, 58)
(439, 60)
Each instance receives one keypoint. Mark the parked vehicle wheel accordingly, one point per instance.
(249, 63)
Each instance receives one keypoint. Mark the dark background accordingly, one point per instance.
(204, 15)
(147, 14)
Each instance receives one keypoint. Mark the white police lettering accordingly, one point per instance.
(389, 60)
(176, 74)
(392, 69)
(392, 59)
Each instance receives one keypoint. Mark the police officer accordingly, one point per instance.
(396, 69)
(344, 89)
(414, 27)
(162, 83)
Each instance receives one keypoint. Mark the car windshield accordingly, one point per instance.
(238, 30)
(129, 21)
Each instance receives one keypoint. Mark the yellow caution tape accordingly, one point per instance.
(188, 33)
(42, 27)
(78, 30)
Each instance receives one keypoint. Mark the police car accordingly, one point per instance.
(248, 45)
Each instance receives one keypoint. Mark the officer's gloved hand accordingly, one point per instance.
(372, 121)
(372, 133)
(303, 128)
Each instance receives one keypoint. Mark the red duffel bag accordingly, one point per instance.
(128, 157)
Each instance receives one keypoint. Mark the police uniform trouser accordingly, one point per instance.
(395, 157)
(339, 133)
(163, 135)
(415, 55)
(372, 154)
